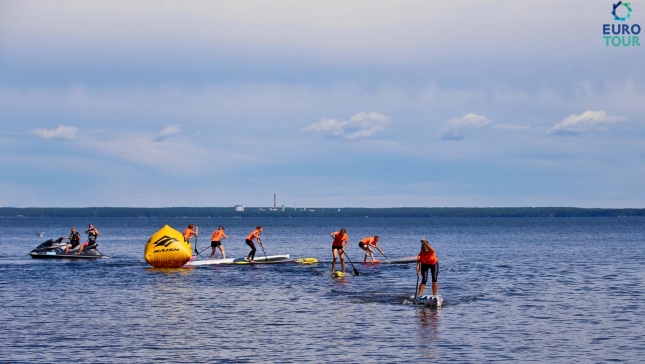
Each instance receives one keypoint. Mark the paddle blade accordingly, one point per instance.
(356, 272)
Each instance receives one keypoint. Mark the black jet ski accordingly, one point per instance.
(56, 249)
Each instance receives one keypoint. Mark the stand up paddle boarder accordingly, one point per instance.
(216, 242)
(190, 232)
(249, 241)
(341, 240)
(367, 243)
(427, 261)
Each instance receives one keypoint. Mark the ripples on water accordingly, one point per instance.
(532, 289)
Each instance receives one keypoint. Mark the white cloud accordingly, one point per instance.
(361, 125)
(588, 120)
(62, 132)
(456, 129)
(168, 131)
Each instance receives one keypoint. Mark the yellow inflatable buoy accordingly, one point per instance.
(167, 248)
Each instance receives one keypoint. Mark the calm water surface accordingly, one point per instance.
(563, 290)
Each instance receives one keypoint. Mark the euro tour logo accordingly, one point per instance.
(625, 35)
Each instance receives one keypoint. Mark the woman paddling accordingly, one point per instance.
(427, 261)
(249, 241)
(190, 232)
(216, 242)
(341, 240)
(367, 243)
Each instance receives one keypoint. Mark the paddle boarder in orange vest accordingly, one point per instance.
(341, 240)
(249, 241)
(367, 243)
(427, 261)
(216, 241)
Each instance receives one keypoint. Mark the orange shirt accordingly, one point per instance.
(339, 239)
(188, 233)
(427, 257)
(255, 234)
(369, 241)
(218, 235)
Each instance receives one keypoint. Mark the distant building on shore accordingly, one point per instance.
(239, 207)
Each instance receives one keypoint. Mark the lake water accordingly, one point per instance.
(520, 289)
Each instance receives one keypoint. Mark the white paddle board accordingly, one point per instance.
(236, 261)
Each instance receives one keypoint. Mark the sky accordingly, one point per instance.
(324, 103)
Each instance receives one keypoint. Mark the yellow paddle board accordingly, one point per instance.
(307, 260)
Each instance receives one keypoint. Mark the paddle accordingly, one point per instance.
(350, 262)
(416, 290)
(196, 251)
(265, 254)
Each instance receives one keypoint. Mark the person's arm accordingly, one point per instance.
(379, 249)
(224, 236)
(96, 232)
(259, 241)
(333, 235)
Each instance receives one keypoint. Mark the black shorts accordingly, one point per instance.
(74, 244)
(215, 244)
(434, 270)
(362, 245)
(336, 247)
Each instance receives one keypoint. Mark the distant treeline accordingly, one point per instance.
(223, 212)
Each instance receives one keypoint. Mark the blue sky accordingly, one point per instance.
(326, 103)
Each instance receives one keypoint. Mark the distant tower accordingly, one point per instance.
(274, 206)
(239, 207)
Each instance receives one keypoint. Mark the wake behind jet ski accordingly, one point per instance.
(56, 249)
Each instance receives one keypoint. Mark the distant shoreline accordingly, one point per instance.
(229, 212)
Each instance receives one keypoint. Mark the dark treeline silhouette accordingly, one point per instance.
(223, 212)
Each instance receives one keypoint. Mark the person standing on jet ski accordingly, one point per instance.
(74, 240)
(92, 234)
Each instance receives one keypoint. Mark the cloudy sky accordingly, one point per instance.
(326, 103)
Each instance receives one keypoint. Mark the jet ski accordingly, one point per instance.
(56, 249)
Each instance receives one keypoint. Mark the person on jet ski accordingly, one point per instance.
(74, 240)
(92, 234)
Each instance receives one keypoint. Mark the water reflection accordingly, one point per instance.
(428, 328)
(182, 270)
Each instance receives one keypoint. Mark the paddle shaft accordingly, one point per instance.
(416, 290)
(265, 254)
(196, 235)
(350, 262)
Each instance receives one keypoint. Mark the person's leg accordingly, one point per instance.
(81, 249)
(371, 253)
(252, 254)
(334, 253)
(213, 252)
(424, 276)
(250, 244)
(67, 248)
(342, 261)
(221, 248)
(435, 276)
